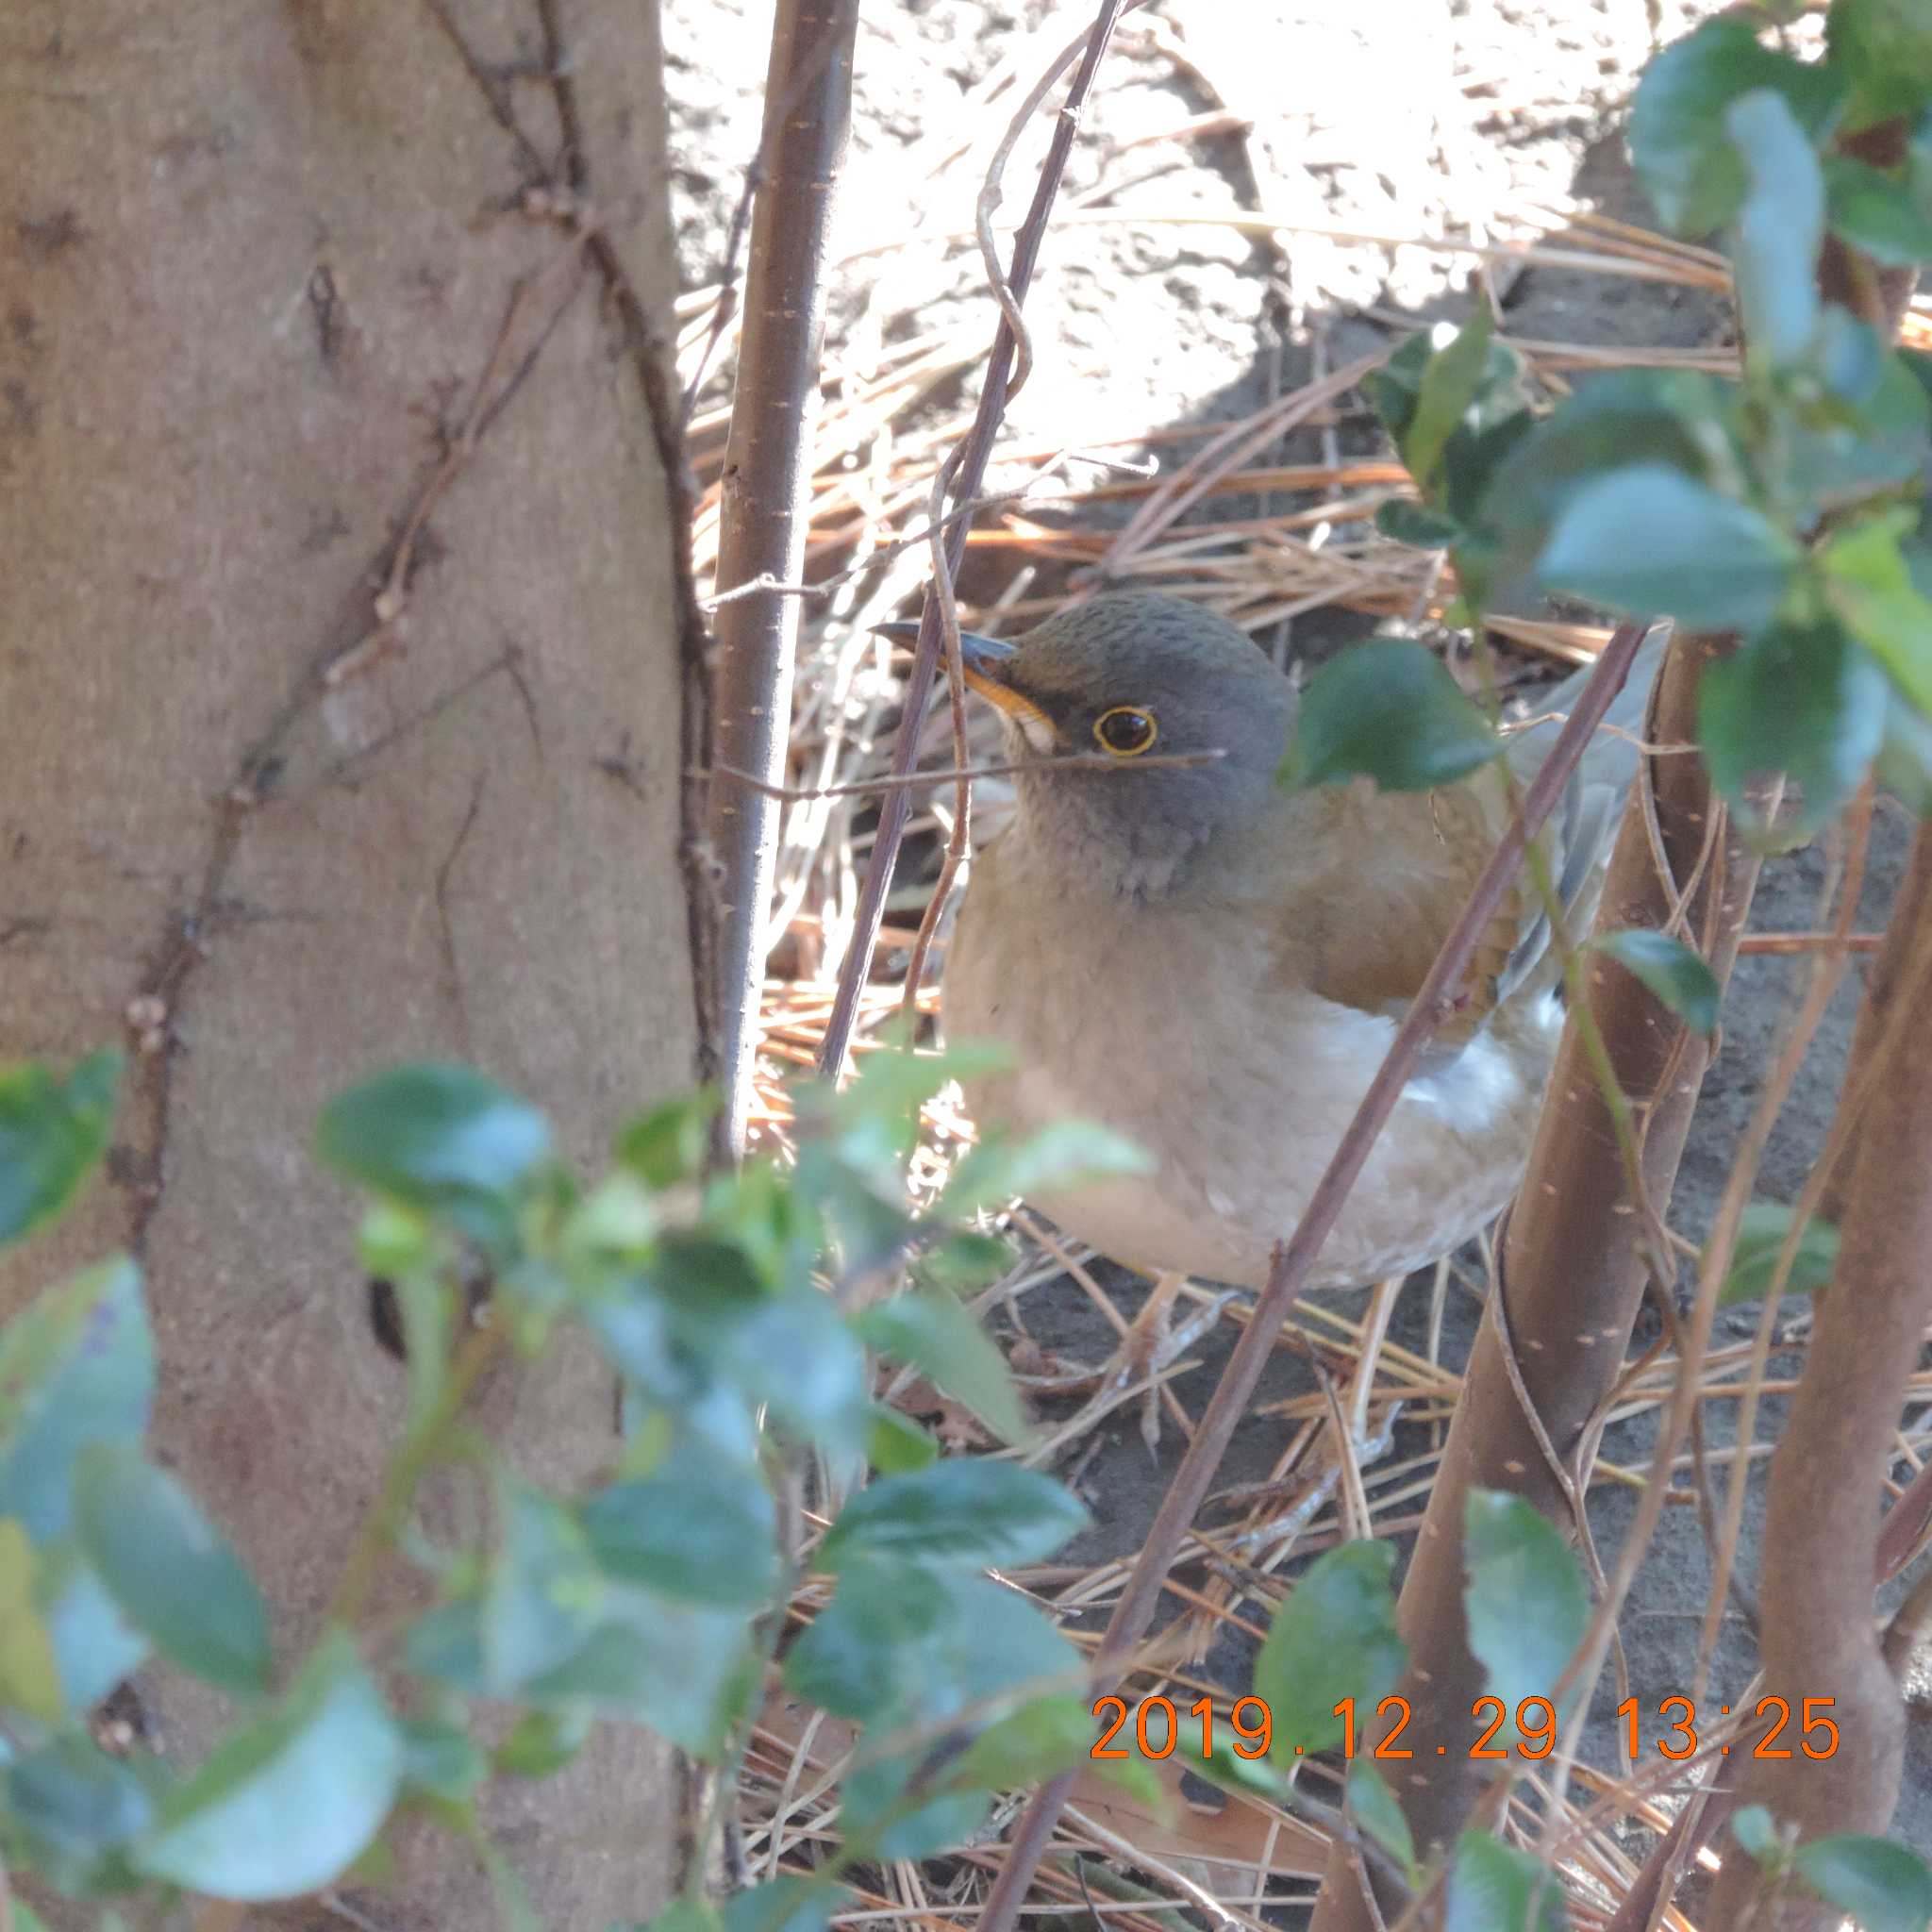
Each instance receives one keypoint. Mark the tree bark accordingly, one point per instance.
(341, 710)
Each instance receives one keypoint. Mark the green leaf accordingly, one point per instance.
(545, 1593)
(1679, 979)
(177, 1578)
(1885, 46)
(1678, 144)
(94, 1645)
(1806, 700)
(1761, 1235)
(78, 1804)
(871, 1651)
(895, 1445)
(76, 1367)
(541, 1743)
(1389, 710)
(1416, 523)
(1882, 1886)
(795, 1356)
(1867, 582)
(875, 1811)
(1493, 1889)
(1753, 1829)
(1780, 230)
(29, 1671)
(696, 1527)
(785, 1904)
(1451, 381)
(952, 1351)
(442, 1138)
(965, 1262)
(1526, 1598)
(287, 1803)
(1877, 215)
(442, 1760)
(1001, 1168)
(686, 1915)
(1650, 541)
(52, 1134)
(1905, 756)
(666, 1144)
(1043, 1737)
(1225, 1767)
(1372, 1807)
(1334, 1637)
(967, 1513)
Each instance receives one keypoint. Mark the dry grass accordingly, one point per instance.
(1313, 545)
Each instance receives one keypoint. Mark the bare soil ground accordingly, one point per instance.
(1376, 123)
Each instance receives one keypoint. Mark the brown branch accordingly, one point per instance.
(1822, 1522)
(1293, 1260)
(973, 454)
(767, 488)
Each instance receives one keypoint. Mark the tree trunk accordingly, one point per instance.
(340, 648)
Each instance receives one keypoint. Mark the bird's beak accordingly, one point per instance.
(986, 662)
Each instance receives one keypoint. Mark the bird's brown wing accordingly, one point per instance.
(1378, 879)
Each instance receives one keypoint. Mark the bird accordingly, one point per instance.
(1215, 964)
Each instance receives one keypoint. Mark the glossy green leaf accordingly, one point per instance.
(442, 1760)
(1753, 1829)
(966, 1513)
(1386, 709)
(873, 1649)
(796, 1356)
(1002, 1167)
(1881, 1885)
(1905, 756)
(965, 1262)
(1451, 381)
(1870, 588)
(1761, 1235)
(541, 1743)
(666, 1144)
(895, 1445)
(1228, 1769)
(1374, 1808)
(78, 1805)
(1526, 1598)
(1495, 1889)
(53, 1132)
(1806, 700)
(1043, 1737)
(1780, 229)
(1885, 47)
(173, 1574)
(1651, 542)
(95, 1647)
(1334, 1637)
(786, 1904)
(545, 1593)
(29, 1671)
(1679, 979)
(697, 1527)
(933, 1333)
(440, 1136)
(880, 1812)
(76, 1367)
(1416, 523)
(286, 1804)
(1678, 144)
(1879, 216)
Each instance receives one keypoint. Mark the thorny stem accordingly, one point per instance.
(1294, 1258)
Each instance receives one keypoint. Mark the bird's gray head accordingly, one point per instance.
(1128, 677)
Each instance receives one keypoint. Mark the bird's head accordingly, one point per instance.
(1180, 718)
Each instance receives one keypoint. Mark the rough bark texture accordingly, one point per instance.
(1570, 1278)
(767, 482)
(1820, 1533)
(251, 274)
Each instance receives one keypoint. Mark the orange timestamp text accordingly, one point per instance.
(1156, 1728)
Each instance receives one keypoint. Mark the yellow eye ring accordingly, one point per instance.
(1126, 731)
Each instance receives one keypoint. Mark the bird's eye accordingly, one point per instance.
(1126, 731)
